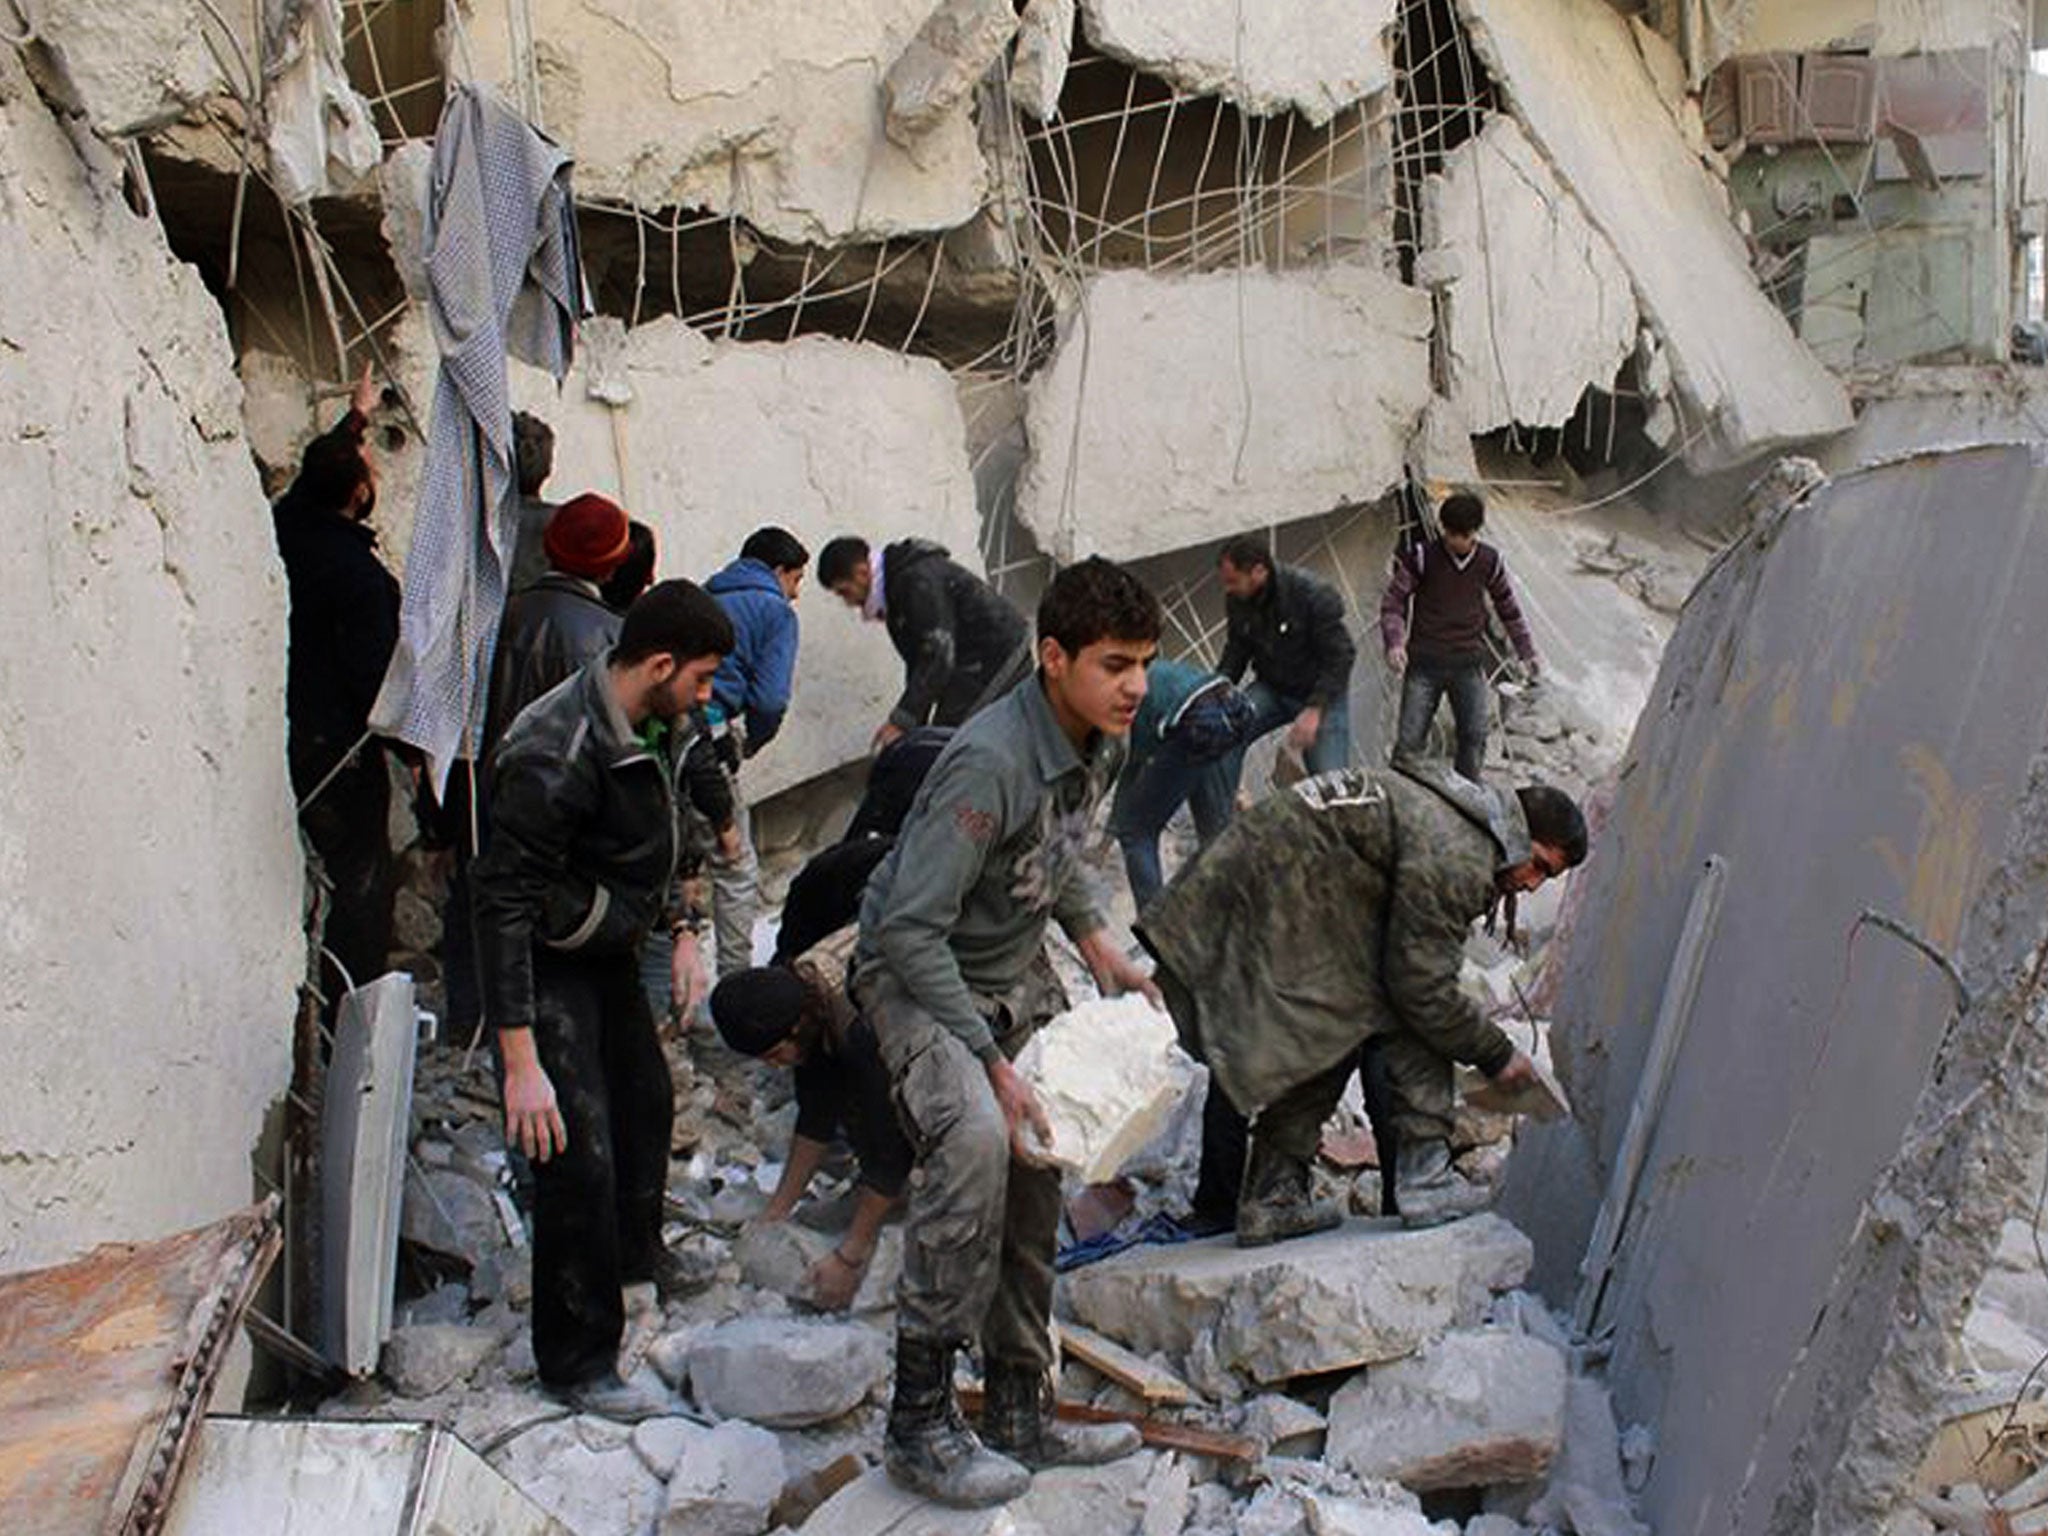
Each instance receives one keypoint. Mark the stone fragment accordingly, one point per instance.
(1365, 1293)
(1494, 1525)
(933, 77)
(1109, 1073)
(669, 1355)
(724, 1483)
(779, 1257)
(1578, 84)
(1585, 1492)
(1541, 306)
(659, 1443)
(1038, 65)
(785, 1372)
(1470, 1409)
(1284, 1425)
(1098, 1501)
(1178, 409)
(130, 68)
(423, 1358)
(1312, 56)
(592, 1492)
(450, 1213)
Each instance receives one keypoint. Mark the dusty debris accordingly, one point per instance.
(785, 1371)
(1110, 1074)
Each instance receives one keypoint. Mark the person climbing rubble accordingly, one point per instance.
(580, 865)
(962, 645)
(951, 972)
(1287, 626)
(1334, 912)
(1186, 729)
(1433, 624)
(749, 697)
(343, 626)
(797, 1014)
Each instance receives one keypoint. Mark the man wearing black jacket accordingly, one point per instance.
(581, 865)
(962, 645)
(1288, 628)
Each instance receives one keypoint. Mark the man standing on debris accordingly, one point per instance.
(1343, 904)
(1433, 624)
(951, 971)
(962, 645)
(749, 697)
(344, 623)
(1288, 628)
(796, 1014)
(580, 865)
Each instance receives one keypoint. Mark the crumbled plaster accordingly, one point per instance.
(1181, 409)
(706, 107)
(1538, 305)
(1045, 47)
(1314, 57)
(1577, 82)
(150, 879)
(933, 78)
(132, 67)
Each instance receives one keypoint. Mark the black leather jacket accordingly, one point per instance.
(958, 638)
(1292, 636)
(586, 837)
(550, 630)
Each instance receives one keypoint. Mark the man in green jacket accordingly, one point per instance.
(1335, 912)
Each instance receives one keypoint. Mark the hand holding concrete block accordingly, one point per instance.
(1109, 1074)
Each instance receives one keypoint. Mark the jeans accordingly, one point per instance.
(1422, 685)
(1145, 803)
(736, 895)
(1331, 748)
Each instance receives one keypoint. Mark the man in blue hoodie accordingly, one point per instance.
(749, 697)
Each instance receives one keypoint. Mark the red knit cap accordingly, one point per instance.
(588, 537)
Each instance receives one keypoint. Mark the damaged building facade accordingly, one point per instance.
(1120, 277)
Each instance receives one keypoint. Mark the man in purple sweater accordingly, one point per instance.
(1433, 624)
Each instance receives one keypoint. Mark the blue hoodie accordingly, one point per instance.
(754, 681)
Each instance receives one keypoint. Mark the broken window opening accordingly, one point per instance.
(1135, 173)
(390, 50)
(1443, 95)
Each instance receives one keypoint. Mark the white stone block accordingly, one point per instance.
(1180, 409)
(1367, 1292)
(1099, 1501)
(135, 66)
(150, 870)
(1467, 1411)
(779, 1257)
(1540, 306)
(1576, 81)
(703, 105)
(724, 1482)
(594, 1492)
(1038, 64)
(421, 1360)
(1314, 57)
(1109, 1074)
(784, 1372)
(934, 77)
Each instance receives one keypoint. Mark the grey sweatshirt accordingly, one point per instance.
(995, 844)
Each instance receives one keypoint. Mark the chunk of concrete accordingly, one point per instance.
(1038, 64)
(936, 75)
(1178, 409)
(785, 1372)
(724, 1482)
(1103, 1501)
(1368, 1292)
(1539, 306)
(1585, 1491)
(1575, 79)
(130, 68)
(422, 1359)
(589, 1490)
(1284, 1426)
(1109, 1074)
(1314, 57)
(1469, 1410)
(706, 107)
(780, 1256)
(450, 1213)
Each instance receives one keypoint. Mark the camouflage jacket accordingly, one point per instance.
(1333, 911)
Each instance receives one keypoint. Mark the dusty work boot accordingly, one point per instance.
(1429, 1190)
(929, 1449)
(1017, 1420)
(1278, 1200)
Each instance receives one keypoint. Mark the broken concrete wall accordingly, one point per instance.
(716, 107)
(1182, 409)
(150, 878)
(1536, 305)
(128, 68)
(1312, 57)
(1846, 715)
(1884, 27)
(1577, 81)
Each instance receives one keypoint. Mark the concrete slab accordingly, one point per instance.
(1576, 80)
(1369, 1291)
(1110, 1074)
(1181, 409)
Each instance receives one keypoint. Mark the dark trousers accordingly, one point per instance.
(1422, 686)
(348, 825)
(597, 1206)
(1145, 803)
